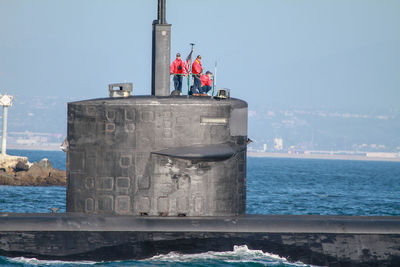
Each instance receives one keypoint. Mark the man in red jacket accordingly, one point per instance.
(178, 69)
(206, 82)
(196, 70)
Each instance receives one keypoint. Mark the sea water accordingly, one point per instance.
(274, 186)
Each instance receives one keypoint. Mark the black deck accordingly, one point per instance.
(320, 240)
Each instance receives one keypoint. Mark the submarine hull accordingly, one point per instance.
(312, 239)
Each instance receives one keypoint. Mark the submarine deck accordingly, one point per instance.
(312, 239)
(244, 224)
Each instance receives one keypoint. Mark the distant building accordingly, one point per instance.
(278, 144)
(265, 147)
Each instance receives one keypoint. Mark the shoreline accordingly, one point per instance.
(36, 148)
(319, 156)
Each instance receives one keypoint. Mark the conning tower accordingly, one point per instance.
(157, 155)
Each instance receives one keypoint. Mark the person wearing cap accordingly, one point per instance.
(178, 69)
(196, 71)
(206, 82)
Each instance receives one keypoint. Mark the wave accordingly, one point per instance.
(35, 262)
(240, 256)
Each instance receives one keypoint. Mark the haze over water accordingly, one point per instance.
(305, 53)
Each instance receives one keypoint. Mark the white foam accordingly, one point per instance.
(239, 254)
(34, 261)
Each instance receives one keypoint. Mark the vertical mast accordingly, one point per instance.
(161, 50)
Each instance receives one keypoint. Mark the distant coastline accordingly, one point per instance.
(250, 154)
(318, 156)
(43, 148)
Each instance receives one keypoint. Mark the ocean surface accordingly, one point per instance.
(274, 186)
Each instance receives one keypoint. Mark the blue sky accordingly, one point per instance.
(279, 53)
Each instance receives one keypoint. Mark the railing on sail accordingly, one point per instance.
(188, 83)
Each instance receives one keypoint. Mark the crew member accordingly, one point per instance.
(178, 69)
(206, 82)
(196, 71)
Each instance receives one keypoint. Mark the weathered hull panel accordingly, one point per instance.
(319, 240)
(157, 155)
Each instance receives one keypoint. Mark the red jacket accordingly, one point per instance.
(205, 80)
(196, 67)
(178, 67)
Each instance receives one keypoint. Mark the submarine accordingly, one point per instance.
(148, 175)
